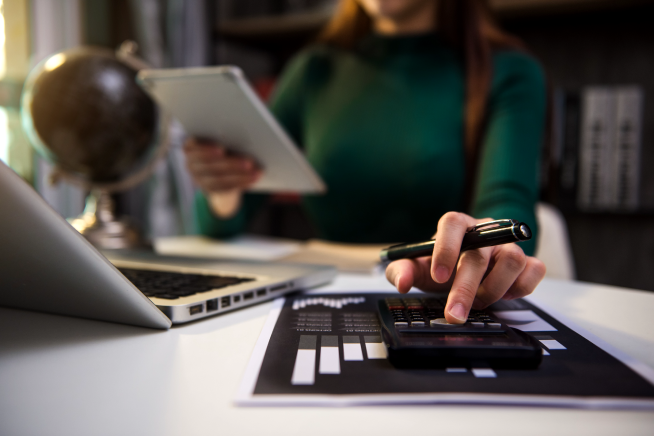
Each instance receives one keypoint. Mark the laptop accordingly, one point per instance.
(47, 266)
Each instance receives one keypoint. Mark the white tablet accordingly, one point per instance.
(218, 103)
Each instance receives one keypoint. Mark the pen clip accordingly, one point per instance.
(498, 223)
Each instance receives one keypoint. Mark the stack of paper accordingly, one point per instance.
(346, 257)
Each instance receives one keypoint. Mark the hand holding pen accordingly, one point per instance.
(466, 258)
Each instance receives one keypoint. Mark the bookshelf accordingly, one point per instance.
(507, 8)
(606, 47)
(269, 31)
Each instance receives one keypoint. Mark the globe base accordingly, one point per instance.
(100, 226)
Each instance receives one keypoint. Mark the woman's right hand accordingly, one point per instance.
(215, 170)
(221, 175)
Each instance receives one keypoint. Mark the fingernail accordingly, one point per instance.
(459, 312)
(442, 274)
(397, 281)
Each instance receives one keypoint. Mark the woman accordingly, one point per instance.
(408, 109)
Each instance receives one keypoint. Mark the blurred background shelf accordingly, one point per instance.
(521, 8)
(270, 32)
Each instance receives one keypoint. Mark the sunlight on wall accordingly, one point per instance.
(3, 53)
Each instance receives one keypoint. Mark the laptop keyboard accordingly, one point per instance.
(170, 285)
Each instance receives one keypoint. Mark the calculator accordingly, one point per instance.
(417, 335)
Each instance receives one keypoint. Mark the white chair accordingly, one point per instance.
(553, 244)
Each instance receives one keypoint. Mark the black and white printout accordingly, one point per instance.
(326, 349)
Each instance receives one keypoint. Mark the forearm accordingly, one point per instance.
(507, 179)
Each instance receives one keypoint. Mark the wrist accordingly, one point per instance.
(225, 204)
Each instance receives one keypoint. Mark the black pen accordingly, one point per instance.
(488, 234)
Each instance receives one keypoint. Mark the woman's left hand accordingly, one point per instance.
(477, 278)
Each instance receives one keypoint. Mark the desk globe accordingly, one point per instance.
(84, 112)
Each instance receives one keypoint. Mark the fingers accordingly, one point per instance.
(509, 262)
(525, 284)
(225, 183)
(470, 271)
(222, 165)
(483, 276)
(403, 273)
(407, 273)
(512, 275)
(227, 174)
(213, 169)
(451, 229)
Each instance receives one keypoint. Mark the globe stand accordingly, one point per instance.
(115, 147)
(99, 225)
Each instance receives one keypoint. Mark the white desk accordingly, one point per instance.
(66, 376)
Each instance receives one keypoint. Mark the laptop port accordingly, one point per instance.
(225, 302)
(248, 295)
(212, 305)
(195, 309)
(237, 298)
(261, 293)
(279, 287)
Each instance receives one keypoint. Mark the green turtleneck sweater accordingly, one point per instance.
(383, 126)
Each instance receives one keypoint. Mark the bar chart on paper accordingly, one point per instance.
(325, 354)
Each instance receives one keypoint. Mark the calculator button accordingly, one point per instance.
(441, 322)
(477, 325)
(494, 325)
(401, 324)
(418, 323)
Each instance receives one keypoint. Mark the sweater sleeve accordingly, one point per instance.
(286, 106)
(508, 172)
